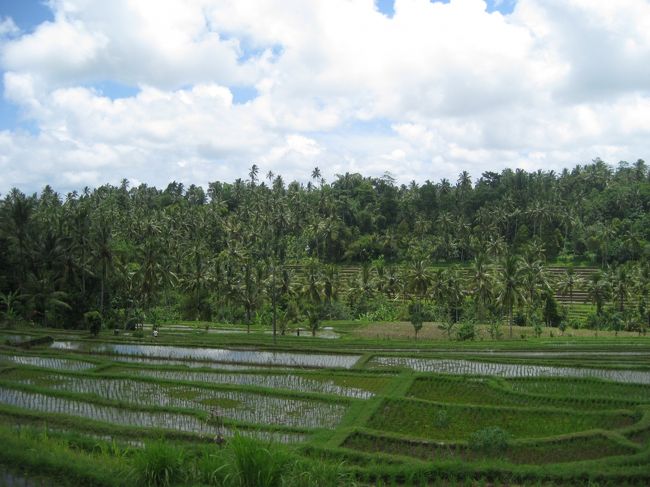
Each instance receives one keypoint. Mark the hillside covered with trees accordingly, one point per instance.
(503, 248)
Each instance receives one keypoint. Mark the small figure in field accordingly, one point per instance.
(217, 419)
(155, 333)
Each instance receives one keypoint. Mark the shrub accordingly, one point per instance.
(495, 330)
(519, 319)
(467, 331)
(337, 310)
(93, 321)
(490, 440)
(415, 311)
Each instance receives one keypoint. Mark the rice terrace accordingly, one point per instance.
(148, 338)
(324, 243)
(338, 412)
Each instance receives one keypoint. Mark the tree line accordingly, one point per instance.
(262, 250)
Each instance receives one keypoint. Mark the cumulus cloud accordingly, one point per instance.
(432, 90)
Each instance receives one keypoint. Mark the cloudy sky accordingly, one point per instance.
(94, 91)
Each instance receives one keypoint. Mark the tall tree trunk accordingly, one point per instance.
(510, 320)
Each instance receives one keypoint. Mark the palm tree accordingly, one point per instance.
(598, 290)
(252, 174)
(44, 296)
(452, 283)
(620, 286)
(312, 280)
(511, 291)
(330, 283)
(534, 279)
(19, 218)
(568, 282)
(481, 284)
(103, 254)
(9, 300)
(362, 287)
(419, 278)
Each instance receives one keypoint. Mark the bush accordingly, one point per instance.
(416, 316)
(158, 464)
(337, 310)
(495, 330)
(519, 319)
(382, 310)
(93, 321)
(594, 322)
(467, 331)
(490, 440)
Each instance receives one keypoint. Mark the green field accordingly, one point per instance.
(118, 410)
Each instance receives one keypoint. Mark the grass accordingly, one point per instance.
(564, 450)
(455, 422)
(583, 388)
(430, 331)
(412, 429)
(490, 392)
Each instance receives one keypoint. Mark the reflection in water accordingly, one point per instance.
(215, 354)
(466, 367)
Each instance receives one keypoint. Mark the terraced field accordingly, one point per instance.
(405, 418)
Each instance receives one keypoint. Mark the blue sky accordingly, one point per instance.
(503, 6)
(97, 91)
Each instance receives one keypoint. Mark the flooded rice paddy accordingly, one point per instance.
(47, 362)
(235, 405)
(257, 357)
(467, 367)
(172, 421)
(272, 381)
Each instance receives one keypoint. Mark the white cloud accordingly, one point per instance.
(557, 82)
(8, 27)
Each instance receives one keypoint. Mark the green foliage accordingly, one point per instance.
(416, 316)
(467, 331)
(491, 440)
(159, 464)
(226, 252)
(254, 464)
(93, 322)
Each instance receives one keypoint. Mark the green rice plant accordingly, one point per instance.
(491, 440)
(640, 436)
(591, 388)
(159, 464)
(419, 419)
(318, 474)
(486, 391)
(539, 452)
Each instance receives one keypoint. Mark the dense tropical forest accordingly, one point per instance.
(509, 247)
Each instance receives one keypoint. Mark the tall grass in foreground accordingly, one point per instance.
(159, 464)
(241, 462)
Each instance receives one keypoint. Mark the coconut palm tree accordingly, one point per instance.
(419, 278)
(620, 285)
(598, 289)
(569, 282)
(511, 290)
(482, 284)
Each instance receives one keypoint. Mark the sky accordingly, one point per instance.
(195, 91)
